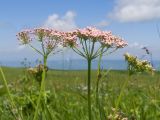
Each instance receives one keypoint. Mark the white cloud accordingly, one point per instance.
(21, 47)
(64, 23)
(136, 45)
(136, 10)
(102, 24)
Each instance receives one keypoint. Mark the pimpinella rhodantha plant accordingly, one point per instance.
(49, 40)
(91, 43)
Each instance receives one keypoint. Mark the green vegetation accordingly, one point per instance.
(66, 93)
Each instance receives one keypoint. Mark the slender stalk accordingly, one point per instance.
(36, 49)
(8, 92)
(86, 47)
(89, 89)
(42, 89)
(99, 69)
(42, 44)
(82, 45)
(99, 76)
(92, 49)
(79, 52)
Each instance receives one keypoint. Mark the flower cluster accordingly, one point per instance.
(37, 71)
(49, 38)
(117, 115)
(24, 37)
(45, 33)
(69, 39)
(50, 45)
(137, 65)
(40, 34)
(96, 35)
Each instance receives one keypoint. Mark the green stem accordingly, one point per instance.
(102, 116)
(98, 74)
(36, 49)
(79, 52)
(82, 45)
(92, 49)
(89, 89)
(42, 45)
(86, 47)
(42, 89)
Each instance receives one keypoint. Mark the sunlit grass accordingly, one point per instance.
(67, 95)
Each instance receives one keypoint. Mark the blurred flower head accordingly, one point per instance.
(24, 37)
(137, 65)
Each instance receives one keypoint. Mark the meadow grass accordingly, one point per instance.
(67, 95)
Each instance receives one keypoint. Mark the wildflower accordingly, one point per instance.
(37, 71)
(94, 35)
(24, 37)
(69, 39)
(50, 39)
(32, 71)
(137, 65)
(41, 33)
(117, 115)
(40, 68)
(124, 118)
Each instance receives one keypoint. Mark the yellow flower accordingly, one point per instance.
(137, 65)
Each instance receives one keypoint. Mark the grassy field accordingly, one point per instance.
(66, 93)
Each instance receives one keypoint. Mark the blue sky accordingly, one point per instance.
(134, 20)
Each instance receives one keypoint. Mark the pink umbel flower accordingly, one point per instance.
(41, 33)
(91, 35)
(24, 37)
(69, 39)
(50, 39)
(105, 38)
